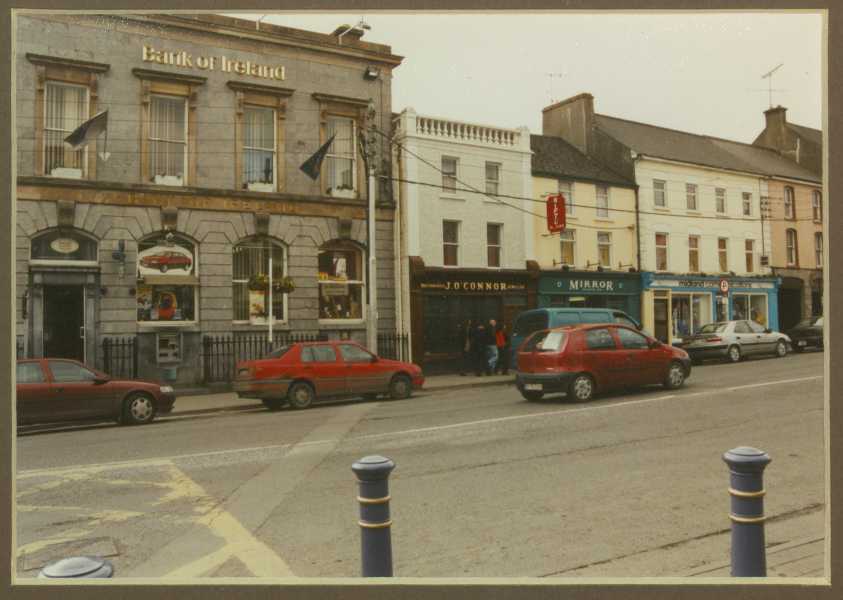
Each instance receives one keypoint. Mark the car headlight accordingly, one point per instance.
(166, 389)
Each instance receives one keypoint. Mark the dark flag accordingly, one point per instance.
(313, 165)
(88, 130)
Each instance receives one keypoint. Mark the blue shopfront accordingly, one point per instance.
(674, 306)
(590, 289)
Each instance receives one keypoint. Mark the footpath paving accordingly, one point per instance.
(207, 400)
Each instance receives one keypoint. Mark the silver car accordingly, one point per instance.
(732, 340)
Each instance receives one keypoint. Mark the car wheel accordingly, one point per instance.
(274, 403)
(781, 349)
(581, 388)
(532, 396)
(138, 409)
(163, 268)
(400, 387)
(675, 376)
(734, 354)
(300, 395)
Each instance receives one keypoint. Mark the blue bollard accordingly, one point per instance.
(86, 567)
(375, 535)
(746, 488)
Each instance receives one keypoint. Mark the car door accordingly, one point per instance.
(602, 358)
(641, 363)
(320, 366)
(33, 392)
(746, 338)
(363, 374)
(766, 341)
(76, 393)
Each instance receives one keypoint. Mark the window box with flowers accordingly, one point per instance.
(251, 298)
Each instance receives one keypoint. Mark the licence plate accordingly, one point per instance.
(533, 386)
(801, 343)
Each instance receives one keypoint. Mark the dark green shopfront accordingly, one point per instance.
(591, 289)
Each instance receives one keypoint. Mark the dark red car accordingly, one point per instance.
(581, 360)
(301, 373)
(58, 389)
(166, 261)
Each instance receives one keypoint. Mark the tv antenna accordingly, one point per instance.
(551, 76)
(769, 77)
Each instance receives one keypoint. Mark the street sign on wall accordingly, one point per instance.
(556, 213)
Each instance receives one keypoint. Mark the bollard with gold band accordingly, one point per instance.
(746, 489)
(375, 523)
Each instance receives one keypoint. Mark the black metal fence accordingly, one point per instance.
(120, 356)
(395, 346)
(221, 353)
(20, 347)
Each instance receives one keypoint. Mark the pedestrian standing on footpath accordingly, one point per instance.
(502, 343)
(491, 347)
(465, 335)
(478, 348)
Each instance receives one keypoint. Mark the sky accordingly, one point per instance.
(693, 71)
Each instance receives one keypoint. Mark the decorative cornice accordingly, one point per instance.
(255, 88)
(55, 61)
(167, 76)
(339, 99)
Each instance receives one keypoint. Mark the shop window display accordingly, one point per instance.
(166, 288)
(340, 282)
(690, 313)
(750, 306)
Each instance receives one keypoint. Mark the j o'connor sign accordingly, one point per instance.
(473, 286)
(187, 60)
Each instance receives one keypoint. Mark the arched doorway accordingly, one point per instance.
(791, 295)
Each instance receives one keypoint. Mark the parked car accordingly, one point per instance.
(302, 373)
(166, 260)
(59, 389)
(582, 360)
(734, 340)
(806, 334)
(537, 319)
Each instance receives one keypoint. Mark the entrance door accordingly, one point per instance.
(661, 319)
(64, 321)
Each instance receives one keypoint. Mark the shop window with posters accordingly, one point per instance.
(167, 280)
(690, 313)
(750, 306)
(341, 285)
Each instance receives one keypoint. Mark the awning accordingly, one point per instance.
(170, 280)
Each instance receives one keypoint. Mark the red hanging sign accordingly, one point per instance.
(556, 213)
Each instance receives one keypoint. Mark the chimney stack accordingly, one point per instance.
(776, 119)
(572, 120)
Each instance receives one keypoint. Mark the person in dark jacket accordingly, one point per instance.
(491, 347)
(502, 342)
(464, 339)
(478, 348)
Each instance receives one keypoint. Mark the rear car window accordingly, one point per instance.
(714, 328)
(631, 340)
(279, 352)
(742, 327)
(599, 339)
(527, 324)
(354, 354)
(545, 341)
(29, 373)
(318, 354)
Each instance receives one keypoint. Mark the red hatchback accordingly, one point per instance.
(58, 389)
(301, 373)
(581, 360)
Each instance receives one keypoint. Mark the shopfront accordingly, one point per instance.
(443, 300)
(674, 307)
(588, 289)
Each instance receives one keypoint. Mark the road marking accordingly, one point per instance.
(152, 462)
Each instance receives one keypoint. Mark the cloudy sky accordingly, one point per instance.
(698, 72)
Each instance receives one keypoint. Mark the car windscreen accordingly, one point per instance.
(279, 352)
(545, 341)
(530, 322)
(713, 328)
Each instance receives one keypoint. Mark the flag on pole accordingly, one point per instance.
(313, 165)
(88, 130)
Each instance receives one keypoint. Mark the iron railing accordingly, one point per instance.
(394, 346)
(221, 353)
(120, 357)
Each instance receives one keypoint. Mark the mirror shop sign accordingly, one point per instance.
(186, 60)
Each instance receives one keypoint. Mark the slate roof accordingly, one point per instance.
(670, 144)
(554, 157)
(812, 135)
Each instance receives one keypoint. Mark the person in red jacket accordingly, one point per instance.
(502, 342)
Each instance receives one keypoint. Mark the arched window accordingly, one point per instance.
(251, 298)
(167, 279)
(792, 250)
(63, 245)
(789, 208)
(341, 283)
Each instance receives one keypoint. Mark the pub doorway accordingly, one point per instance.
(64, 321)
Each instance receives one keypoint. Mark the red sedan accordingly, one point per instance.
(58, 389)
(581, 360)
(167, 260)
(302, 373)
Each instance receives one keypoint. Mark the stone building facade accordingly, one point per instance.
(165, 229)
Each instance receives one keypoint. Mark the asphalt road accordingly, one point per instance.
(486, 484)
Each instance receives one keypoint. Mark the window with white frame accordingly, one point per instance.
(566, 188)
(691, 196)
(602, 201)
(65, 108)
(604, 248)
(259, 148)
(661, 252)
(720, 200)
(747, 204)
(449, 174)
(817, 205)
(341, 159)
(789, 203)
(659, 193)
(694, 253)
(493, 178)
(341, 284)
(450, 243)
(251, 299)
(723, 254)
(791, 248)
(818, 248)
(168, 139)
(493, 244)
(749, 250)
(567, 241)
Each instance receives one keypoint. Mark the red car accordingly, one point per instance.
(58, 389)
(166, 260)
(301, 373)
(581, 360)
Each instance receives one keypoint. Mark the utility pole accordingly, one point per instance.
(371, 158)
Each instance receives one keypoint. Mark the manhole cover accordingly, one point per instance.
(101, 546)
